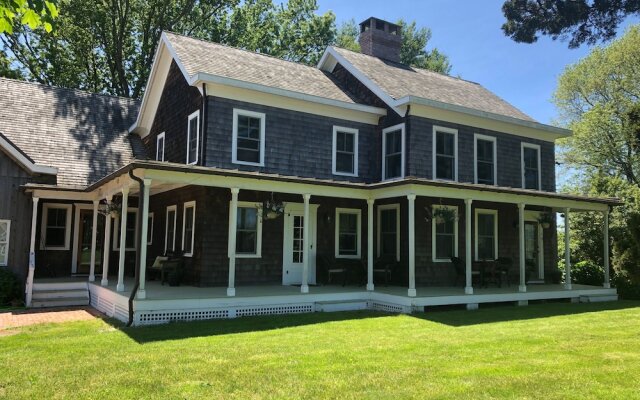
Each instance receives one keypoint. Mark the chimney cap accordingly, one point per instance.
(380, 24)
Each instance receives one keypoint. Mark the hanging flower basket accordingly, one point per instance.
(444, 215)
(545, 220)
(112, 209)
(271, 209)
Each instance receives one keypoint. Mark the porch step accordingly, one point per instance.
(341, 305)
(597, 298)
(60, 302)
(37, 286)
(60, 294)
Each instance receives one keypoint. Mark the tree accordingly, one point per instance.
(584, 21)
(109, 46)
(34, 13)
(414, 46)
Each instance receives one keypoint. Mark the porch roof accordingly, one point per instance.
(175, 173)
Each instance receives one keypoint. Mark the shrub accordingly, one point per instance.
(9, 287)
(627, 289)
(587, 273)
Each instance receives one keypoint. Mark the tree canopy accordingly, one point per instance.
(414, 46)
(34, 13)
(580, 21)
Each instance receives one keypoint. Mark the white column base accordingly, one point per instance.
(92, 278)
(231, 291)
(411, 293)
(472, 306)
(142, 294)
(104, 282)
(567, 286)
(370, 287)
(304, 288)
(468, 290)
(522, 288)
(523, 302)
(120, 287)
(606, 285)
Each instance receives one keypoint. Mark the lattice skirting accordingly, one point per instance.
(387, 307)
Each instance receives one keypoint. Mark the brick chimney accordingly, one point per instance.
(380, 39)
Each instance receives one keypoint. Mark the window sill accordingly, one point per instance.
(247, 163)
(338, 173)
(442, 260)
(248, 256)
(55, 248)
(354, 257)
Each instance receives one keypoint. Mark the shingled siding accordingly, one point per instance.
(177, 102)
(420, 153)
(296, 143)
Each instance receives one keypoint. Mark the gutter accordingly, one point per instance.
(203, 130)
(139, 244)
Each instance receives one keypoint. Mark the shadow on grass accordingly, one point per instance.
(185, 330)
(508, 312)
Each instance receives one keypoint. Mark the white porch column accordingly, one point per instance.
(468, 289)
(94, 239)
(123, 238)
(523, 267)
(567, 251)
(107, 246)
(304, 288)
(370, 244)
(144, 203)
(412, 245)
(32, 253)
(233, 217)
(605, 243)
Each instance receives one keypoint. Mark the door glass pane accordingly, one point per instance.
(531, 242)
(298, 239)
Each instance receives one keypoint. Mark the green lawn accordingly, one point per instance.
(550, 351)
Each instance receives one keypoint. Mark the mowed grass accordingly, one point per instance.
(549, 351)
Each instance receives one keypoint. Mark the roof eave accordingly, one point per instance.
(23, 160)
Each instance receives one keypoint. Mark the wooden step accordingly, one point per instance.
(62, 302)
(341, 305)
(597, 298)
(60, 294)
(39, 286)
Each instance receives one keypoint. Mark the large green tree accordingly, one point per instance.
(108, 46)
(581, 21)
(34, 13)
(414, 46)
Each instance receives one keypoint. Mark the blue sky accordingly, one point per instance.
(468, 31)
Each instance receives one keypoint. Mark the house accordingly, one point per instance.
(279, 187)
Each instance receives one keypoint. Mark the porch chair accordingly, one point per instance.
(331, 269)
(503, 266)
(384, 266)
(459, 266)
(155, 270)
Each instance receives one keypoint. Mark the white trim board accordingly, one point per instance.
(13, 152)
(494, 140)
(237, 112)
(524, 145)
(393, 128)
(434, 154)
(493, 212)
(358, 213)
(185, 206)
(173, 208)
(334, 150)
(43, 226)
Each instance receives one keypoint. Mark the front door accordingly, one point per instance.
(532, 248)
(293, 246)
(84, 245)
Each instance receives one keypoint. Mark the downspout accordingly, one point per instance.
(138, 247)
(203, 130)
(407, 138)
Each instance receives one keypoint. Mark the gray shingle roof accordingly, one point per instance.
(398, 80)
(83, 135)
(198, 56)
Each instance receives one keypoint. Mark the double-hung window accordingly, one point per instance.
(445, 153)
(248, 137)
(160, 147)
(486, 234)
(5, 231)
(347, 243)
(193, 137)
(485, 159)
(345, 151)
(444, 232)
(248, 231)
(389, 231)
(393, 152)
(188, 228)
(56, 222)
(530, 166)
(170, 229)
(150, 229)
(132, 225)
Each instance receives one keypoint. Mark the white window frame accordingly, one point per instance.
(479, 211)
(116, 231)
(43, 226)
(150, 229)
(358, 213)
(434, 146)
(258, 253)
(486, 138)
(394, 128)
(334, 152)
(8, 242)
(433, 234)
(522, 168)
(173, 208)
(188, 204)
(234, 142)
(195, 114)
(385, 207)
(158, 138)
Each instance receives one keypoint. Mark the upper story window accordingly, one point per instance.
(485, 159)
(347, 233)
(5, 230)
(445, 153)
(531, 166)
(248, 137)
(345, 151)
(170, 229)
(486, 234)
(193, 137)
(188, 224)
(160, 147)
(248, 231)
(393, 152)
(444, 235)
(56, 222)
